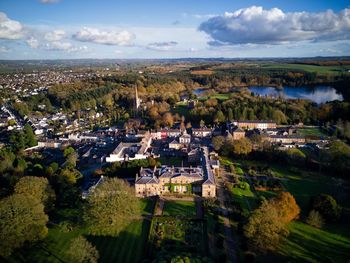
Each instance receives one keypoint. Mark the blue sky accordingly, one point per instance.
(54, 29)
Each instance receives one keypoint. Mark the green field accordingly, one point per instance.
(179, 208)
(332, 70)
(218, 96)
(311, 132)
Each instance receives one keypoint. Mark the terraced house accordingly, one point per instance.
(198, 180)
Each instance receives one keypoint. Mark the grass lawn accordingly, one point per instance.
(147, 206)
(306, 243)
(179, 208)
(304, 185)
(309, 244)
(245, 197)
(311, 132)
(220, 96)
(128, 246)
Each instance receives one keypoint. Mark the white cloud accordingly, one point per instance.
(55, 35)
(32, 42)
(260, 26)
(162, 46)
(10, 29)
(204, 16)
(121, 38)
(64, 46)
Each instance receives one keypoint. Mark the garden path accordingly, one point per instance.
(159, 208)
(230, 243)
(199, 207)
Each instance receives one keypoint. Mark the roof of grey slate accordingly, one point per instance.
(149, 176)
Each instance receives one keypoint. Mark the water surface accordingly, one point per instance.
(318, 94)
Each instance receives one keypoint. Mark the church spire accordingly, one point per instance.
(137, 100)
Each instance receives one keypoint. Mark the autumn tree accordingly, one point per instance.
(218, 142)
(287, 206)
(266, 226)
(111, 207)
(22, 219)
(81, 251)
(168, 119)
(242, 146)
(264, 229)
(37, 187)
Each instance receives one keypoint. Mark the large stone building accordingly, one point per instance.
(179, 180)
(285, 139)
(126, 151)
(238, 133)
(202, 132)
(257, 124)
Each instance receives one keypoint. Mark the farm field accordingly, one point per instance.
(179, 208)
(333, 70)
(202, 72)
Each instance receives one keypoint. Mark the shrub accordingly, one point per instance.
(327, 206)
(315, 219)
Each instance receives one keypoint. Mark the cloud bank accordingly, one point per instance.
(10, 29)
(162, 46)
(255, 25)
(122, 38)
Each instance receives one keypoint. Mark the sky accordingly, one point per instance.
(68, 29)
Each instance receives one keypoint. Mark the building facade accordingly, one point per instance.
(198, 180)
(251, 125)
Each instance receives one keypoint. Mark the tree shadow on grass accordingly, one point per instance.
(127, 247)
(310, 247)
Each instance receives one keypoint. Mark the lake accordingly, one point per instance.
(318, 94)
(199, 91)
